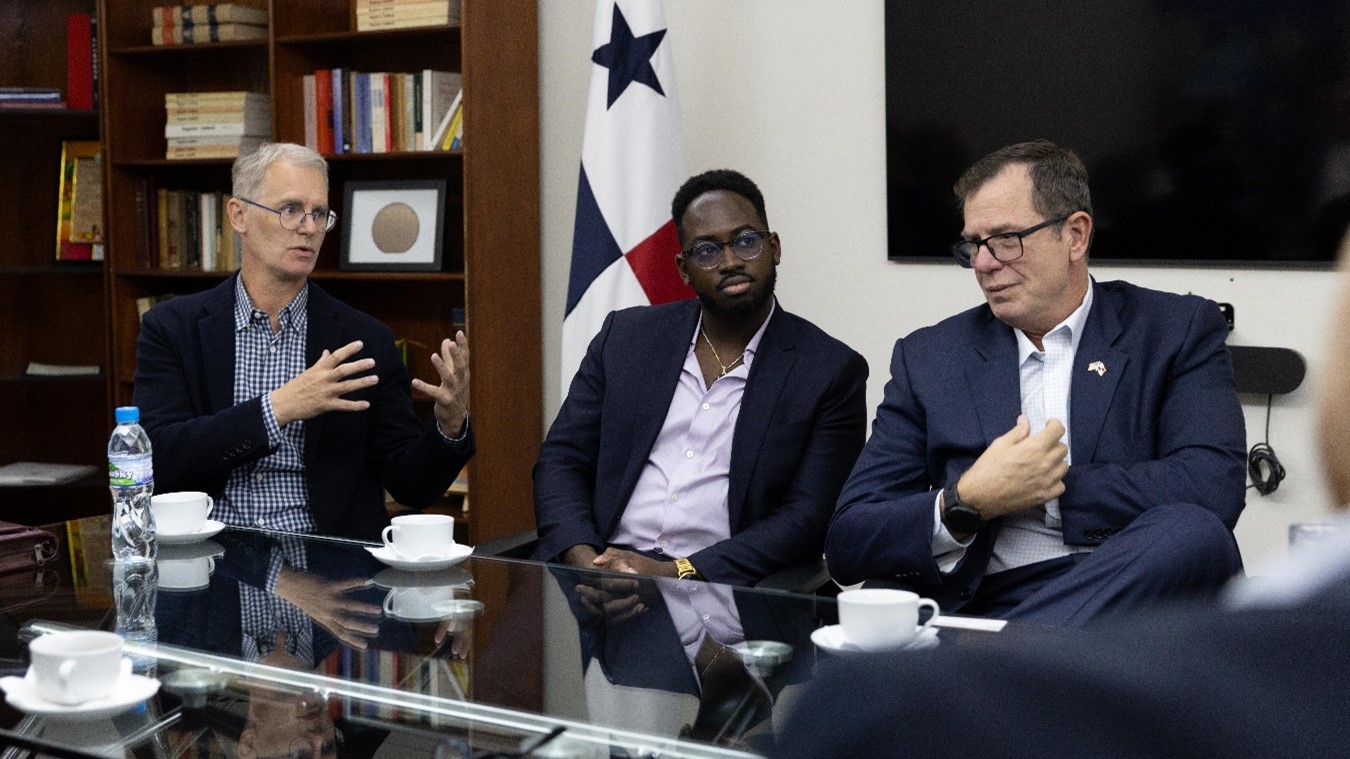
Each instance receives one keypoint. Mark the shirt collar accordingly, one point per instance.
(245, 312)
(1074, 324)
(750, 347)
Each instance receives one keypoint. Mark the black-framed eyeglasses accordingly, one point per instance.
(292, 216)
(746, 245)
(1004, 246)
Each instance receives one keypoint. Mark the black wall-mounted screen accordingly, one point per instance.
(1214, 131)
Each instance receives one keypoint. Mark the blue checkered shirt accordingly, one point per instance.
(272, 491)
(262, 613)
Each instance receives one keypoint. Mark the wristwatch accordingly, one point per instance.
(958, 515)
(685, 570)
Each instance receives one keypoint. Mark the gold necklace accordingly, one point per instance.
(725, 367)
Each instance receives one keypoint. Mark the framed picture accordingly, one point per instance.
(393, 226)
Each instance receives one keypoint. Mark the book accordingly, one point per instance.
(361, 110)
(190, 35)
(41, 473)
(208, 206)
(379, 113)
(308, 99)
(438, 93)
(79, 61)
(207, 13)
(215, 150)
(376, 16)
(142, 191)
(162, 256)
(323, 108)
(233, 98)
(254, 114)
(174, 235)
(213, 140)
(36, 369)
(338, 77)
(217, 129)
(441, 137)
(79, 219)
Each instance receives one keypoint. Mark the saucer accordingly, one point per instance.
(831, 639)
(202, 549)
(402, 578)
(22, 694)
(392, 558)
(211, 529)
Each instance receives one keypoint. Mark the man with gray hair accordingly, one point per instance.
(289, 407)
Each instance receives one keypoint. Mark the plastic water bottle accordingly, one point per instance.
(132, 481)
(135, 592)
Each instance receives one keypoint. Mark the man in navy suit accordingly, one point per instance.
(705, 438)
(291, 408)
(1068, 449)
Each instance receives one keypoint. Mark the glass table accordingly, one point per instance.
(276, 645)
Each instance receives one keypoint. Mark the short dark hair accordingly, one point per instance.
(1059, 180)
(709, 181)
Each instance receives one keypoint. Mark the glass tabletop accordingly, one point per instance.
(276, 645)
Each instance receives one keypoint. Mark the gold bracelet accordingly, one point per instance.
(685, 570)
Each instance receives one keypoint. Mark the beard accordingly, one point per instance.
(741, 308)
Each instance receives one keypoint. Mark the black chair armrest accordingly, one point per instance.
(521, 545)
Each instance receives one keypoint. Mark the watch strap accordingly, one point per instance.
(685, 569)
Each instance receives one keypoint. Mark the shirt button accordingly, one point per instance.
(261, 521)
(258, 478)
(706, 407)
(675, 497)
(665, 543)
(689, 454)
(706, 617)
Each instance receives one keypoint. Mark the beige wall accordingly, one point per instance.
(758, 96)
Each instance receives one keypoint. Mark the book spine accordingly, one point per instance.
(362, 105)
(222, 13)
(221, 129)
(309, 96)
(141, 202)
(323, 96)
(379, 115)
(339, 116)
(163, 256)
(79, 62)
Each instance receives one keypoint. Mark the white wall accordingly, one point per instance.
(792, 94)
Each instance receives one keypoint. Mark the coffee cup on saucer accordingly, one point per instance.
(418, 536)
(417, 602)
(181, 513)
(75, 666)
(876, 618)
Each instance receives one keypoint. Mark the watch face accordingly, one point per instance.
(962, 518)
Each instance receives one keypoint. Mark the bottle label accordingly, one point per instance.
(131, 472)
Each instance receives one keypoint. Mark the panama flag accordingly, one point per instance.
(632, 162)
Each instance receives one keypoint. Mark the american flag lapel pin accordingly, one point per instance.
(1098, 367)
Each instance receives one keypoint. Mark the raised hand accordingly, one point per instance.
(1017, 471)
(452, 395)
(320, 388)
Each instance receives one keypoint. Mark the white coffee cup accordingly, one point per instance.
(75, 666)
(416, 536)
(186, 574)
(875, 618)
(181, 513)
(417, 602)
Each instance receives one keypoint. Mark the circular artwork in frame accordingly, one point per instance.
(393, 226)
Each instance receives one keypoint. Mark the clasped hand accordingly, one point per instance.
(1017, 471)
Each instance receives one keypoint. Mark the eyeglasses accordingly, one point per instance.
(1004, 246)
(747, 246)
(292, 216)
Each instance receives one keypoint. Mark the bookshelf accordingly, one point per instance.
(50, 311)
(491, 233)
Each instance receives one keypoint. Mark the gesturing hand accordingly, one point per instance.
(1017, 471)
(452, 395)
(320, 387)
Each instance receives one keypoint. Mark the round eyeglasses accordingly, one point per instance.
(746, 245)
(1004, 246)
(292, 216)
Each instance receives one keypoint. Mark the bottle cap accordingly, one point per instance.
(127, 415)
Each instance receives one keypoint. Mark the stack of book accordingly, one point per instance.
(215, 124)
(211, 22)
(372, 15)
(30, 98)
(360, 112)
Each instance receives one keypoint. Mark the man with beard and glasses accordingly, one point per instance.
(704, 438)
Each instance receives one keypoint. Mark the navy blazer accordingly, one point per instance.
(185, 365)
(802, 422)
(1161, 425)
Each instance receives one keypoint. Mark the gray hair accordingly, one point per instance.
(1059, 181)
(249, 169)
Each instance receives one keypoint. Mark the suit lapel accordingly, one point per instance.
(1091, 391)
(662, 361)
(215, 339)
(324, 330)
(772, 366)
(995, 385)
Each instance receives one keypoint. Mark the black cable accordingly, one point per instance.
(1263, 466)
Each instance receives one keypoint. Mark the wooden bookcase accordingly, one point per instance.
(491, 233)
(50, 311)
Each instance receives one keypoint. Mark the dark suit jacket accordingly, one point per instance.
(1175, 683)
(802, 422)
(1161, 426)
(185, 389)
